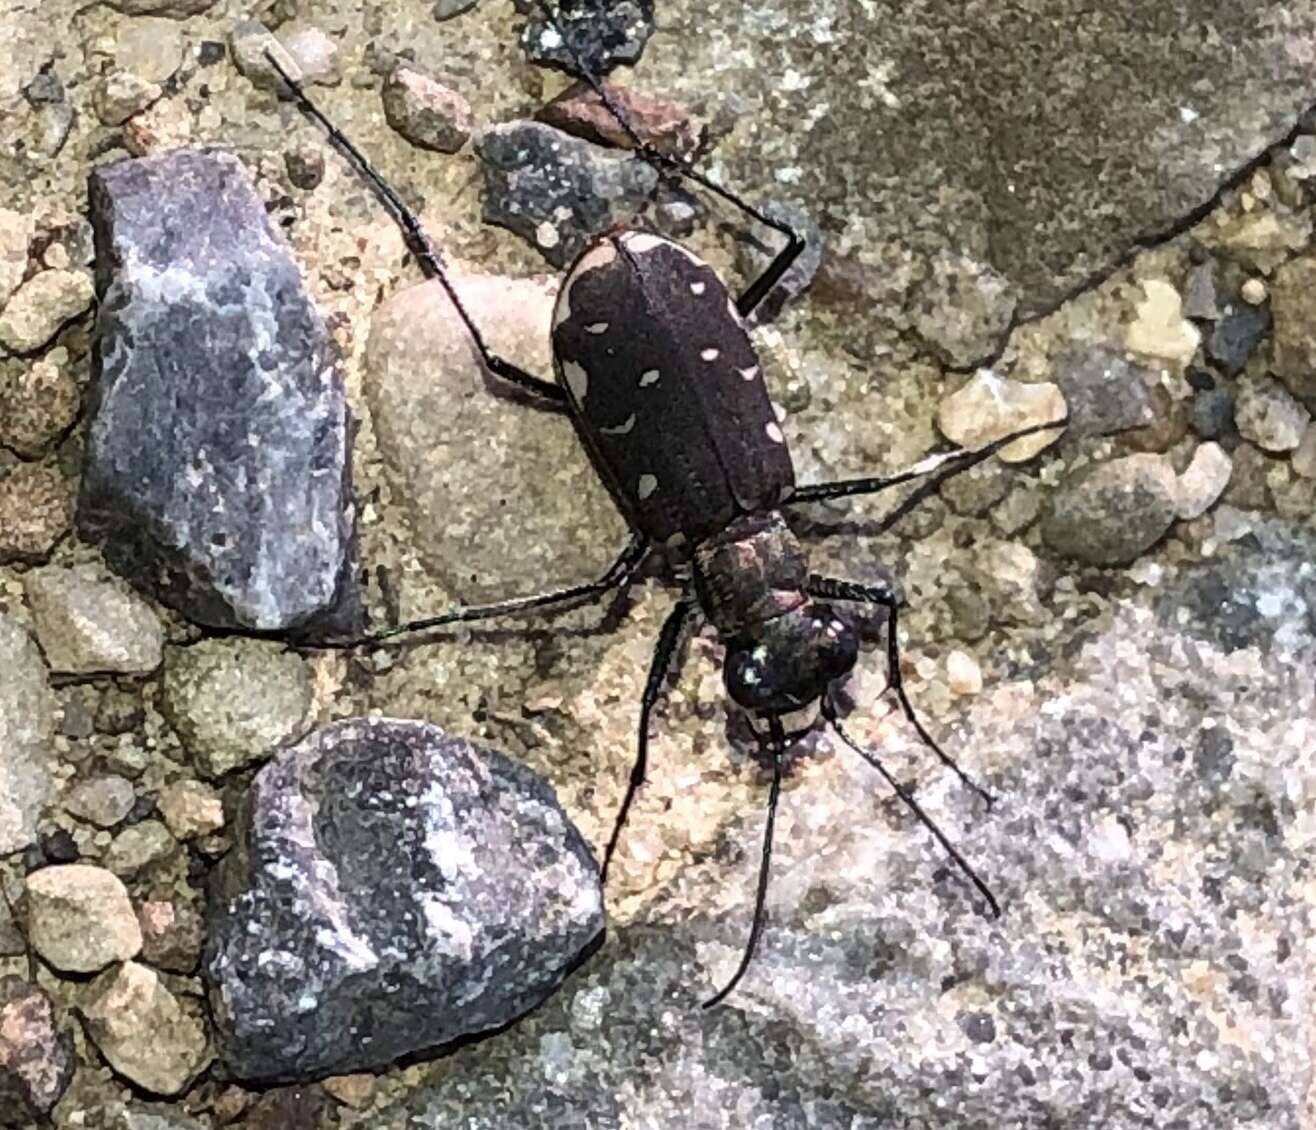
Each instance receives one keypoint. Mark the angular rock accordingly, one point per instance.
(217, 462)
(36, 1054)
(434, 416)
(425, 111)
(1269, 416)
(1236, 336)
(138, 847)
(1211, 412)
(191, 809)
(103, 801)
(1203, 481)
(1111, 513)
(1200, 292)
(41, 306)
(661, 122)
(987, 407)
(36, 511)
(173, 934)
(80, 919)
(603, 33)
(88, 624)
(416, 888)
(147, 1034)
(1160, 329)
(963, 310)
(122, 94)
(1105, 392)
(556, 191)
(233, 701)
(27, 729)
(1293, 341)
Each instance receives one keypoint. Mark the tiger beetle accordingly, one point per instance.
(656, 370)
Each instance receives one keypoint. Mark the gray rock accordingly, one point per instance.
(103, 801)
(80, 919)
(447, 9)
(88, 624)
(217, 458)
(36, 511)
(138, 847)
(1200, 293)
(27, 728)
(41, 306)
(1105, 392)
(1211, 412)
(305, 164)
(1269, 416)
(557, 191)
(1293, 344)
(36, 1054)
(963, 310)
(233, 701)
(1237, 335)
(426, 112)
(604, 34)
(1112, 513)
(416, 889)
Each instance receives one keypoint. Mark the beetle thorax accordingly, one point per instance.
(751, 572)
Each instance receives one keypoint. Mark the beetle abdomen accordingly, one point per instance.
(666, 389)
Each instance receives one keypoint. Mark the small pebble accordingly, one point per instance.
(963, 675)
(354, 1091)
(1203, 481)
(305, 165)
(425, 112)
(1236, 336)
(988, 407)
(41, 306)
(1254, 292)
(249, 41)
(1199, 295)
(1211, 412)
(36, 511)
(315, 54)
(16, 231)
(173, 935)
(103, 801)
(1160, 329)
(1111, 513)
(80, 918)
(89, 624)
(191, 809)
(122, 94)
(37, 407)
(1269, 415)
(138, 847)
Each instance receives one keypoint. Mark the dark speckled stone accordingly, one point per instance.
(392, 889)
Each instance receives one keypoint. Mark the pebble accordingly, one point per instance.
(1211, 412)
(80, 918)
(41, 306)
(191, 809)
(145, 1033)
(315, 54)
(1293, 338)
(37, 407)
(36, 511)
(1254, 292)
(121, 94)
(988, 407)
(447, 9)
(603, 33)
(963, 310)
(249, 41)
(963, 675)
(1304, 455)
(1105, 392)
(139, 846)
(305, 164)
(1160, 329)
(103, 801)
(1200, 292)
(669, 126)
(120, 711)
(36, 1054)
(1203, 481)
(425, 111)
(1112, 513)
(234, 701)
(1236, 336)
(1267, 414)
(173, 934)
(27, 731)
(354, 1091)
(16, 231)
(151, 48)
(89, 624)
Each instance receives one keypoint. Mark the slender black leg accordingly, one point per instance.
(671, 166)
(765, 863)
(830, 589)
(669, 640)
(829, 712)
(418, 243)
(618, 573)
(945, 466)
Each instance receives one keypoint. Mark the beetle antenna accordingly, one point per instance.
(829, 712)
(760, 900)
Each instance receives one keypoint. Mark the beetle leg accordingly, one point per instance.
(669, 641)
(671, 166)
(830, 589)
(418, 243)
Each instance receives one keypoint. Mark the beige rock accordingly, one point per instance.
(1304, 455)
(1160, 329)
(191, 809)
(39, 307)
(88, 623)
(1269, 415)
(1203, 481)
(963, 675)
(16, 231)
(988, 407)
(80, 918)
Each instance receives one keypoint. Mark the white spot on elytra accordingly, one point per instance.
(774, 432)
(638, 242)
(577, 380)
(622, 428)
(709, 354)
(597, 328)
(649, 377)
(750, 374)
(698, 288)
(647, 485)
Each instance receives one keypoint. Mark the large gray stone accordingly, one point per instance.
(27, 728)
(217, 472)
(392, 888)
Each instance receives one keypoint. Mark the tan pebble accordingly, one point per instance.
(963, 674)
(351, 1090)
(1160, 330)
(1254, 292)
(988, 407)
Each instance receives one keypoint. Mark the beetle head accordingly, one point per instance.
(787, 662)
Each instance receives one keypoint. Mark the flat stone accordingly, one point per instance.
(1160, 329)
(89, 624)
(556, 191)
(1105, 392)
(234, 701)
(987, 407)
(191, 809)
(36, 1054)
(37, 406)
(1203, 481)
(138, 847)
(146, 1033)
(1111, 513)
(36, 511)
(80, 919)
(173, 934)
(104, 801)
(121, 94)
(963, 310)
(1267, 414)
(664, 123)
(37, 311)
(603, 33)
(425, 111)
(416, 888)
(550, 516)
(27, 729)
(217, 471)
(1293, 343)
